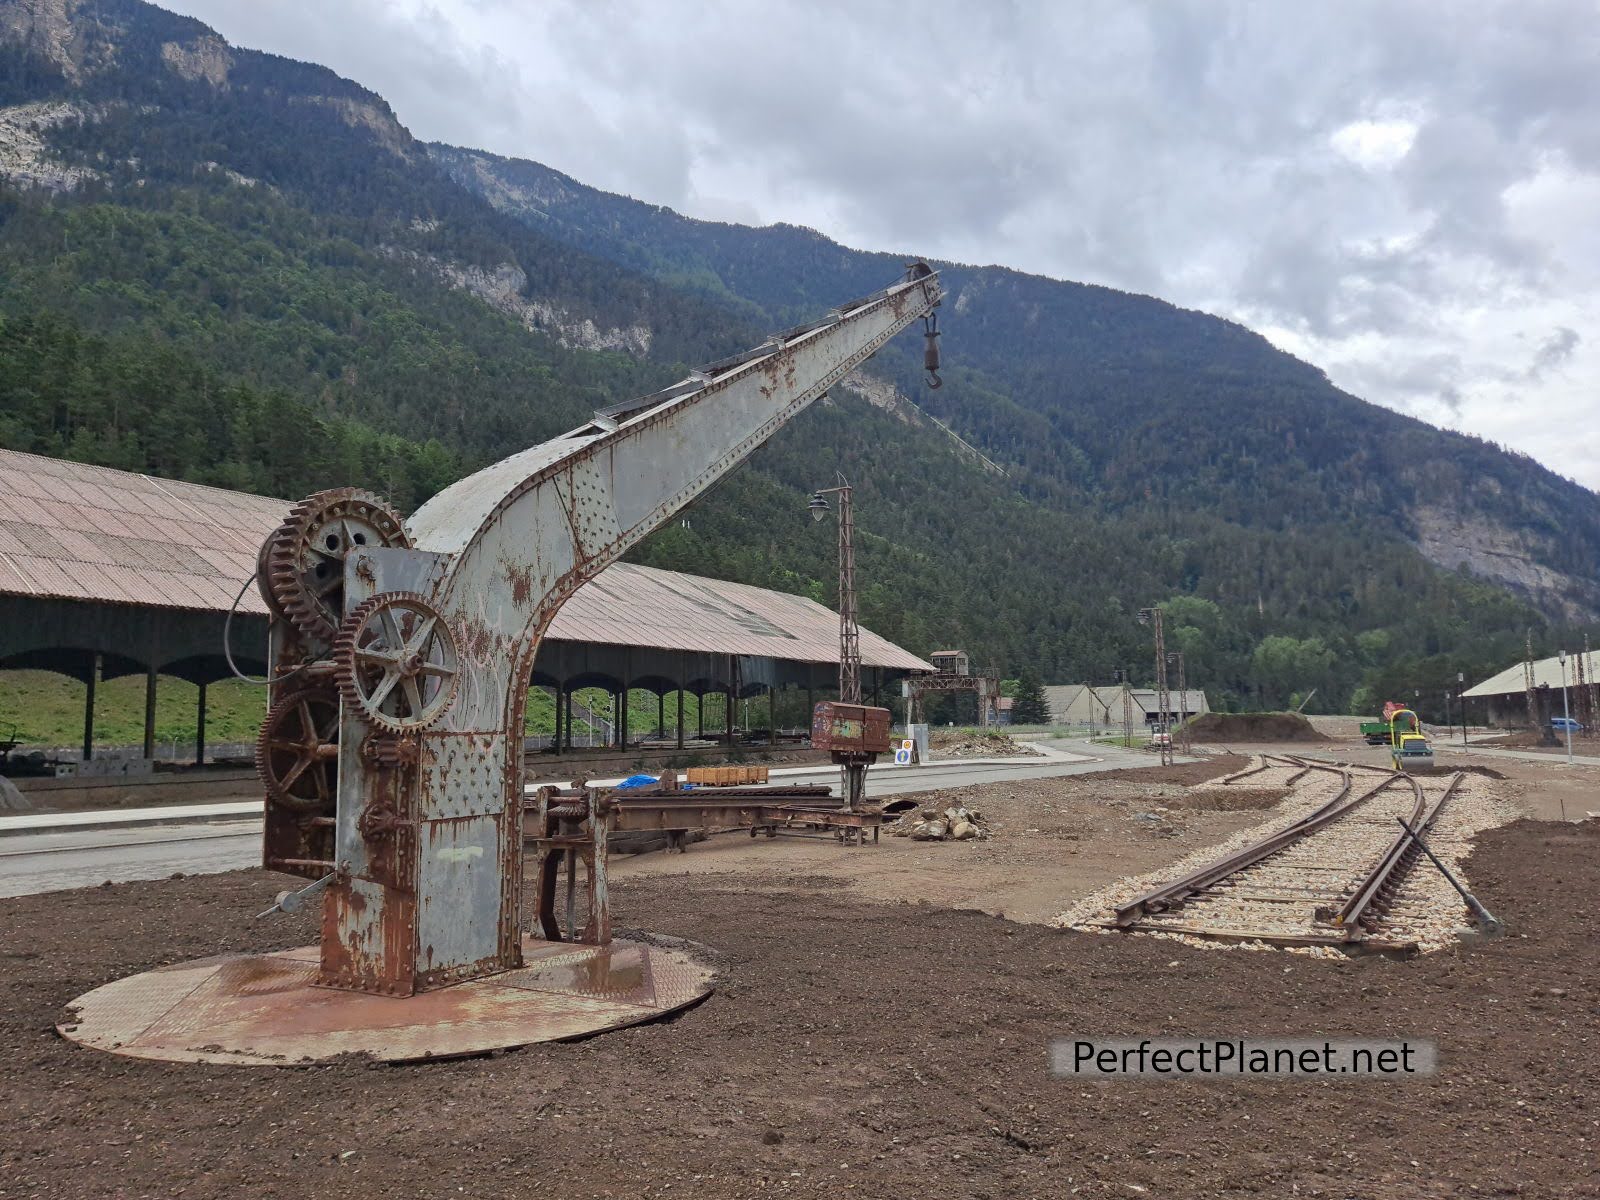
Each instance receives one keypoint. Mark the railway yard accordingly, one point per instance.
(882, 1015)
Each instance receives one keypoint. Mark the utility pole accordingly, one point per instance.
(1152, 616)
(1583, 674)
(849, 626)
(1461, 699)
(1183, 700)
(1127, 709)
(1566, 713)
(853, 775)
(1527, 677)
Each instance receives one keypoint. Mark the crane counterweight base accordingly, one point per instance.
(268, 1010)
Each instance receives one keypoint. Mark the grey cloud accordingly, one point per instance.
(1553, 352)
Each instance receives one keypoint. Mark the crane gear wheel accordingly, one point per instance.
(396, 661)
(263, 576)
(297, 751)
(305, 556)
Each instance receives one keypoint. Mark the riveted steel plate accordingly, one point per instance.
(266, 1009)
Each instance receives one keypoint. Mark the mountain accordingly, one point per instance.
(1083, 391)
(232, 267)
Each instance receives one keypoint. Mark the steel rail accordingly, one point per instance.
(1361, 912)
(1169, 895)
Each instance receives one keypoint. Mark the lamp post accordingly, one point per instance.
(1461, 697)
(1566, 713)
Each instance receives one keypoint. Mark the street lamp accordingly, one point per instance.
(1461, 697)
(1566, 713)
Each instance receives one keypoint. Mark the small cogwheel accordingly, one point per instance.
(396, 661)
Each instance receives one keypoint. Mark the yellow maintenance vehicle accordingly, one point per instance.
(1407, 747)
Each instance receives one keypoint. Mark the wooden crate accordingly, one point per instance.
(725, 776)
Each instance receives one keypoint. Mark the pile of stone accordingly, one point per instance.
(957, 823)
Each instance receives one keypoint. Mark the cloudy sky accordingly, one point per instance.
(1406, 194)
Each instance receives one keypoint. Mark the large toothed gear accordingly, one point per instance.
(396, 661)
(264, 575)
(304, 559)
(298, 750)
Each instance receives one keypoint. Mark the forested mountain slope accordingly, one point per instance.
(231, 267)
(1089, 392)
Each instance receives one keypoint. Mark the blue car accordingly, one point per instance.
(1565, 724)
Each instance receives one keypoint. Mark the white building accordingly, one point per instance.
(1085, 704)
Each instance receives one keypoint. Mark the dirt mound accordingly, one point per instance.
(1253, 727)
(1230, 799)
(974, 743)
(1487, 772)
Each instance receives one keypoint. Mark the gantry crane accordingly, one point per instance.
(400, 651)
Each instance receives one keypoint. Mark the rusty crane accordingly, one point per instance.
(400, 652)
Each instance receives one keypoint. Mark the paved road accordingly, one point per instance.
(47, 862)
(1554, 757)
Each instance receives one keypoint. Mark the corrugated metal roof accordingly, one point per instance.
(75, 532)
(1546, 673)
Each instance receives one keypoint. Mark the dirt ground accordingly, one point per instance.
(1048, 836)
(865, 1039)
(1253, 727)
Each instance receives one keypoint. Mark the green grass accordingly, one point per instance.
(47, 710)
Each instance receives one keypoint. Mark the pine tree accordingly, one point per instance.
(1029, 707)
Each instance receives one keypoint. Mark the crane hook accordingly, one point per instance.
(930, 355)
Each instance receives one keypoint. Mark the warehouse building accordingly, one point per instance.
(1085, 705)
(107, 573)
(1505, 696)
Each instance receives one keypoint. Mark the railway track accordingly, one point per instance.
(1331, 878)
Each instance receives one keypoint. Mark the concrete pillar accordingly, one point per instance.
(622, 719)
(661, 714)
(727, 718)
(567, 704)
(150, 710)
(200, 728)
(680, 715)
(88, 710)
